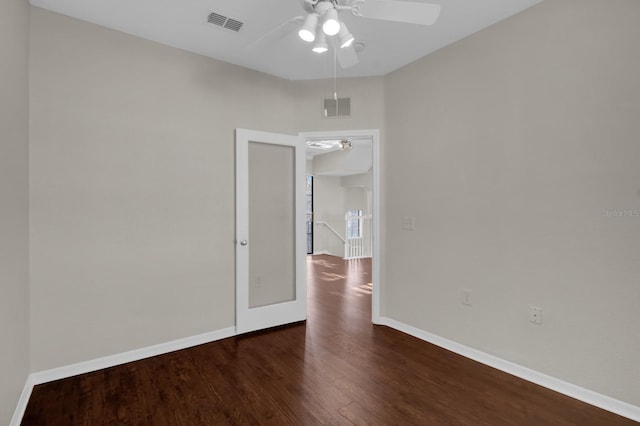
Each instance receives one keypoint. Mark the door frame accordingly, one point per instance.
(312, 218)
(374, 134)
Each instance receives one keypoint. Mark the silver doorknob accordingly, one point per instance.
(243, 242)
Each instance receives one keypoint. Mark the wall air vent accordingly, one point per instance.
(336, 108)
(224, 22)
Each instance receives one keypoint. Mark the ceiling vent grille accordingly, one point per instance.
(233, 25)
(216, 19)
(224, 22)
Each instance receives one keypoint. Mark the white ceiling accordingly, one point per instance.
(183, 24)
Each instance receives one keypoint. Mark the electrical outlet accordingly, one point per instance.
(535, 314)
(466, 297)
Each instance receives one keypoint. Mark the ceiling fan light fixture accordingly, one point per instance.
(345, 38)
(320, 48)
(321, 45)
(331, 25)
(308, 30)
(345, 144)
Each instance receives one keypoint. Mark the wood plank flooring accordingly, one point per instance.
(334, 369)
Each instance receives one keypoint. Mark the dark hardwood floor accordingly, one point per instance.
(335, 369)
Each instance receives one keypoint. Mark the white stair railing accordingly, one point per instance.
(358, 243)
(330, 228)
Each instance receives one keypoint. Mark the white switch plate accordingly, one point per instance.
(409, 223)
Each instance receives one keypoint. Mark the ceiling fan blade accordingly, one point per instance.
(399, 11)
(347, 57)
(276, 34)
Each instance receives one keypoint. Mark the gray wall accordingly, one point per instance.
(507, 147)
(328, 206)
(14, 203)
(367, 104)
(132, 188)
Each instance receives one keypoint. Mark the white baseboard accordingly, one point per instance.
(111, 361)
(585, 395)
(22, 403)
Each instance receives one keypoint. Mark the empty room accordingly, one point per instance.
(320, 212)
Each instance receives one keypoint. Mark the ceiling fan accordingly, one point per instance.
(322, 25)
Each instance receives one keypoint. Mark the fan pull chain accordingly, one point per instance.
(335, 75)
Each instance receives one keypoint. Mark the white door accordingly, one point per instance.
(271, 274)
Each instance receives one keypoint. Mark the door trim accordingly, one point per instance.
(374, 134)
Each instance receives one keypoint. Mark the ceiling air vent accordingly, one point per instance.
(232, 24)
(224, 22)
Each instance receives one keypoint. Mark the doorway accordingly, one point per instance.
(347, 164)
